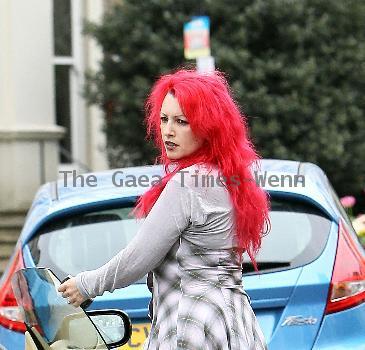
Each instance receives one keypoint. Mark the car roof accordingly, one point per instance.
(278, 177)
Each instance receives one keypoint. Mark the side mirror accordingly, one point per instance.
(113, 325)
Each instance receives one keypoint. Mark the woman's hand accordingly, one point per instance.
(69, 290)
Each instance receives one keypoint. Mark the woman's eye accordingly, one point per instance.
(163, 119)
(182, 121)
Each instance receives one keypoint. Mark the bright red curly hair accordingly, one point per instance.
(207, 103)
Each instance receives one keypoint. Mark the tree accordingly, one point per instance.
(295, 66)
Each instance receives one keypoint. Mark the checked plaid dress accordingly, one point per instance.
(198, 299)
(200, 304)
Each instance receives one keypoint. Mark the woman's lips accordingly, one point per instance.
(170, 145)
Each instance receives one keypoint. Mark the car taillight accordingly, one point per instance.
(11, 315)
(348, 278)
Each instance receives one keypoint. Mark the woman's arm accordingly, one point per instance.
(162, 227)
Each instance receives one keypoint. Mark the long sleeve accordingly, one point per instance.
(162, 227)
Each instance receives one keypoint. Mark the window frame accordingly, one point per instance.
(76, 78)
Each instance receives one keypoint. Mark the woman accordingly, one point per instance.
(200, 218)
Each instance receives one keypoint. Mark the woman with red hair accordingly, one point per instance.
(204, 213)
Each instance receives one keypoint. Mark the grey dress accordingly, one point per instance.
(188, 241)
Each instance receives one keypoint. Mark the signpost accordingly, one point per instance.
(197, 43)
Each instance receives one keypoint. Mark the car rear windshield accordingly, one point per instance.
(88, 240)
(298, 235)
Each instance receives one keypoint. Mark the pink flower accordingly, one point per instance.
(348, 201)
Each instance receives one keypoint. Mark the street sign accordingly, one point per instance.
(196, 38)
(205, 64)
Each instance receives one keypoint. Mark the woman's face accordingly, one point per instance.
(177, 136)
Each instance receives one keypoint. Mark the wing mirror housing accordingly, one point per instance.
(113, 325)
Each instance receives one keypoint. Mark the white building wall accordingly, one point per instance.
(28, 131)
(25, 62)
(28, 134)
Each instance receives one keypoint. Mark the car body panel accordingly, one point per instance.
(342, 330)
(132, 299)
(10, 340)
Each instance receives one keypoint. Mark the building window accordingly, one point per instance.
(62, 28)
(62, 31)
(63, 110)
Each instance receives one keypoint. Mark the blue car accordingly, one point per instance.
(309, 293)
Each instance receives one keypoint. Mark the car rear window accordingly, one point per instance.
(84, 241)
(88, 240)
(298, 235)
